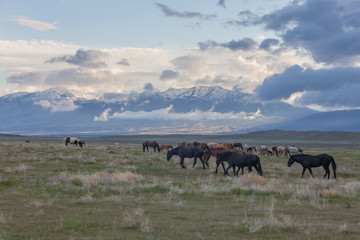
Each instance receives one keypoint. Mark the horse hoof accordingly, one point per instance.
(183, 167)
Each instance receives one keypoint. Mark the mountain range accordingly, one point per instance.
(196, 110)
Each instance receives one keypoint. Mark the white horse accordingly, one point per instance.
(293, 149)
(72, 140)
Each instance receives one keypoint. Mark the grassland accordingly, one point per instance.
(116, 191)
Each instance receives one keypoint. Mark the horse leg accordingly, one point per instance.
(182, 162)
(237, 172)
(226, 171)
(195, 159)
(223, 165)
(302, 175)
(257, 169)
(217, 166)
(202, 161)
(311, 172)
(327, 171)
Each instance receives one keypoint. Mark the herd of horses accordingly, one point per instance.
(242, 156)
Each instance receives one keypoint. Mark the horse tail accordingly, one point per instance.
(333, 164)
(259, 165)
(143, 147)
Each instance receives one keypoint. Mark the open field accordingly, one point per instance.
(116, 191)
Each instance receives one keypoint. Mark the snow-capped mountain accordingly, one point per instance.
(188, 110)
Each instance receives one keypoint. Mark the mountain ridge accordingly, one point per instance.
(200, 109)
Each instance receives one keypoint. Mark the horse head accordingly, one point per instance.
(169, 155)
(291, 161)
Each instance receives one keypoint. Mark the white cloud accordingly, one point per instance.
(103, 116)
(167, 114)
(22, 60)
(35, 24)
(60, 106)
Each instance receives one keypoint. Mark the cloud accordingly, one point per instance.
(103, 116)
(59, 106)
(168, 114)
(266, 44)
(148, 87)
(190, 15)
(245, 44)
(82, 57)
(329, 29)
(169, 74)
(315, 84)
(34, 24)
(123, 62)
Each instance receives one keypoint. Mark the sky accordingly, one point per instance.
(304, 52)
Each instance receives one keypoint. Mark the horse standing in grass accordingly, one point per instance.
(81, 143)
(72, 140)
(187, 152)
(214, 151)
(152, 144)
(167, 147)
(279, 150)
(239, 160)
(238, 145)
(309, 161)
(292, 149)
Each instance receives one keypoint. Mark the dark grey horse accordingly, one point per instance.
(309, 161)
(187, 152)
(239, 160)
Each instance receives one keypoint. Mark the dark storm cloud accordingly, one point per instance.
(123, 62)
(245, 44)
(329, 29)
(168, 74)
(296, 79)
(268, 43)
(172, 13)
(345, 96)
(82, 57)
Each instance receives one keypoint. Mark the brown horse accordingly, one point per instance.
(152, 144)
(214, 151)
(182, 144)
(167, 147)
(204, 146)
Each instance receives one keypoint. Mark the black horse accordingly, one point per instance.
(238, 160)
(309, 161)
(187, 152)
(152, 144)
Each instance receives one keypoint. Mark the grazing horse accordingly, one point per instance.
(81, 143)
(251, 149)
(279, 150)
(292, 149)
(266, 152)
(214, 151)
(187, 152)
(241, 161)
(27, 141)
(238, 145)
(167, 147)
(152, 144)
(72, 140)
(309, 161)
